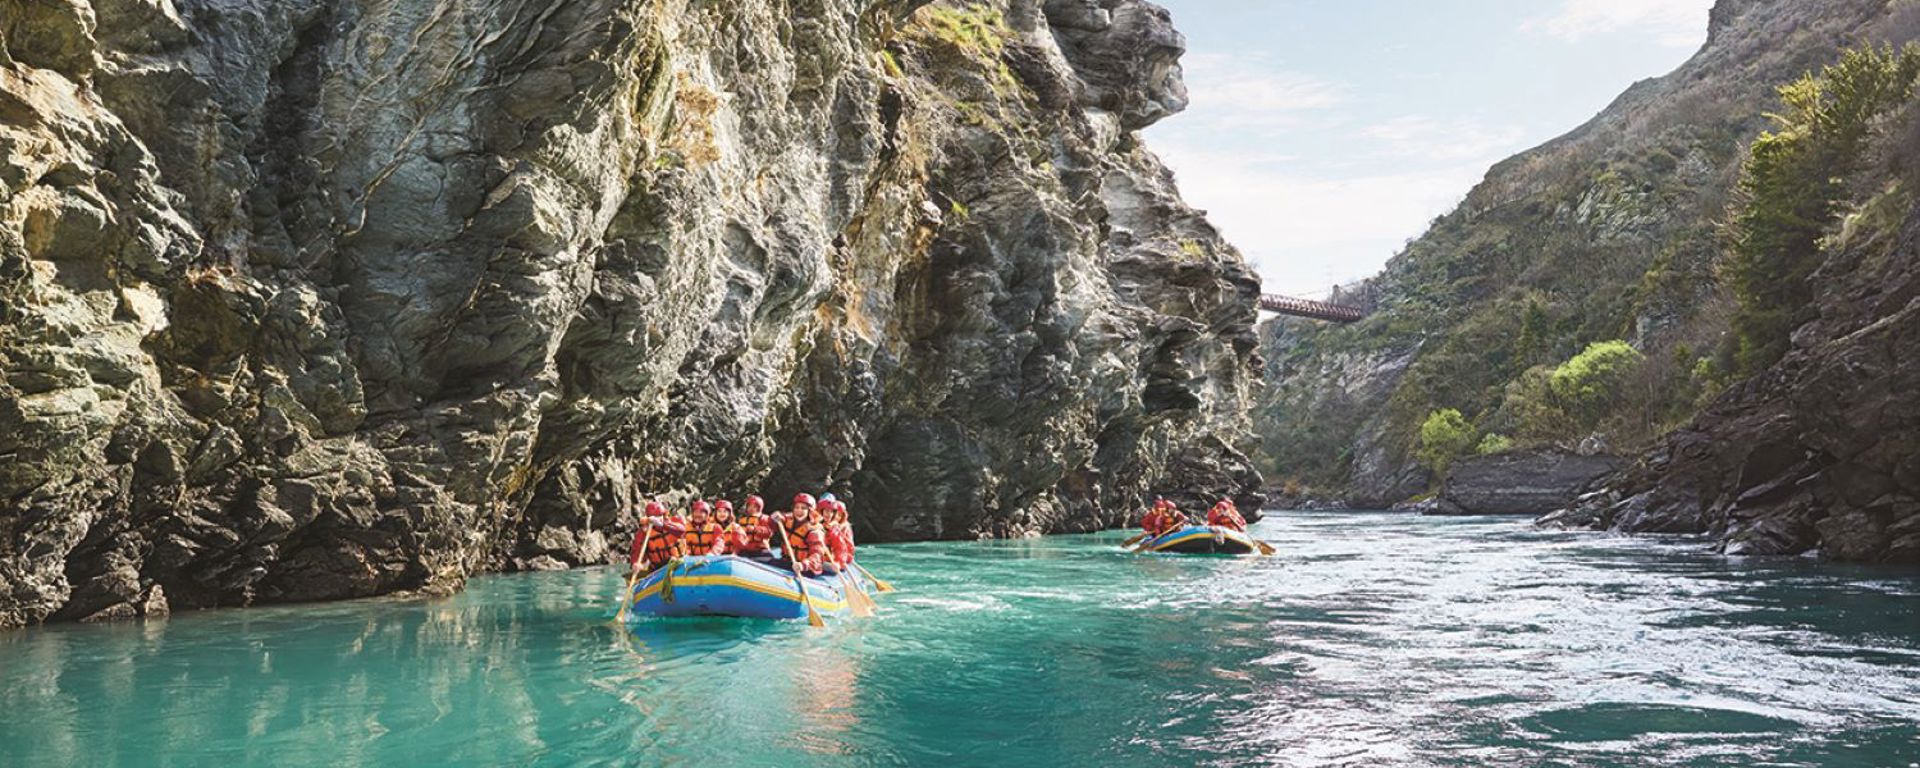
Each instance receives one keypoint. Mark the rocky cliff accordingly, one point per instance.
(1821, 452)
(312, 299)
(1610, 232)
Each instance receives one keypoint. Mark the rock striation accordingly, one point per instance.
(315, 299)
(1822, 452)
(1520, 483)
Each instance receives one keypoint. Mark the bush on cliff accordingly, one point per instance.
(1792, 186)
(1445, 436)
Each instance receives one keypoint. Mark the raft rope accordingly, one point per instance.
(666, 581)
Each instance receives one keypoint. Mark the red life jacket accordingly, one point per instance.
(1161, 522)
(752, 535)
(840, 542)
(1227, 518)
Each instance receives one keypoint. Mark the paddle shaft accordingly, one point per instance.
(626, 598)
(799, 581)
(877, 582)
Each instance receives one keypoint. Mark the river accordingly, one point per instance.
(1370, 639)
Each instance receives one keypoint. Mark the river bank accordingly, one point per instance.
(1371, 639)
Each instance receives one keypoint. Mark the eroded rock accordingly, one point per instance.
(329, 298)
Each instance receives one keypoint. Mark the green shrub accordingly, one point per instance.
(1494, 443)
(1446, 435)
(1592, 384)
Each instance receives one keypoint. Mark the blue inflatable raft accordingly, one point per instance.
(723, 585)
(1202, 540)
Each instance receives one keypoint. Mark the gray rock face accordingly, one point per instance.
(1822, 452)
(1521, 483)
(315, 299)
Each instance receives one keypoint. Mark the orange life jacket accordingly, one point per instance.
(805, 541)
(665, 543)
(701, 537)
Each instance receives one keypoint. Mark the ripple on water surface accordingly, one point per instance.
(1370, 640)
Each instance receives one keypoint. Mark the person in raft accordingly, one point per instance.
(704, 536)
(1226, 515)
(661, 533)
(839, 532)
(723, 517)
(1164, 518)
(806, 544)
(753, 535)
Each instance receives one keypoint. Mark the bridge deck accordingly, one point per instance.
(1308, 308)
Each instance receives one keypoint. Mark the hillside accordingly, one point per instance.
(1613, 232)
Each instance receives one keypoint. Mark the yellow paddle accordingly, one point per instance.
(1135, 540)
(877, 583)
(813, 616)
(626, 599)
(857, 598)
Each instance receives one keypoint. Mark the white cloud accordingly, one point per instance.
(1679, 23)
(1304, 232)
(1250, 90)
(1419, 136)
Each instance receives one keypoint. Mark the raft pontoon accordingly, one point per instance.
(724, 585)
(1202, 540)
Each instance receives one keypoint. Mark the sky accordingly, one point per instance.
(1325, 134)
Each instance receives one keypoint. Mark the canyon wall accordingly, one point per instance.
(315, 299)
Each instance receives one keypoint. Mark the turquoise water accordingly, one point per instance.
(1370, 640)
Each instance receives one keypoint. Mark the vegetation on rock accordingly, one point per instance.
(1582, 295)
(1794, 181)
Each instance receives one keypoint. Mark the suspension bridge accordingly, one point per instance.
(1311, 309)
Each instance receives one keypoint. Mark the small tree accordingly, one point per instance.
(1445, 436)
(1592, 385)
(1792, 186)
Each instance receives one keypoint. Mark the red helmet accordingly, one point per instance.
(755, 503)
(656, 509)
(803, 500)
(723, 506)
(702, 507)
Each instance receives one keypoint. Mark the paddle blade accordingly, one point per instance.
(813, 617)
(877, 582)
(857, 601)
